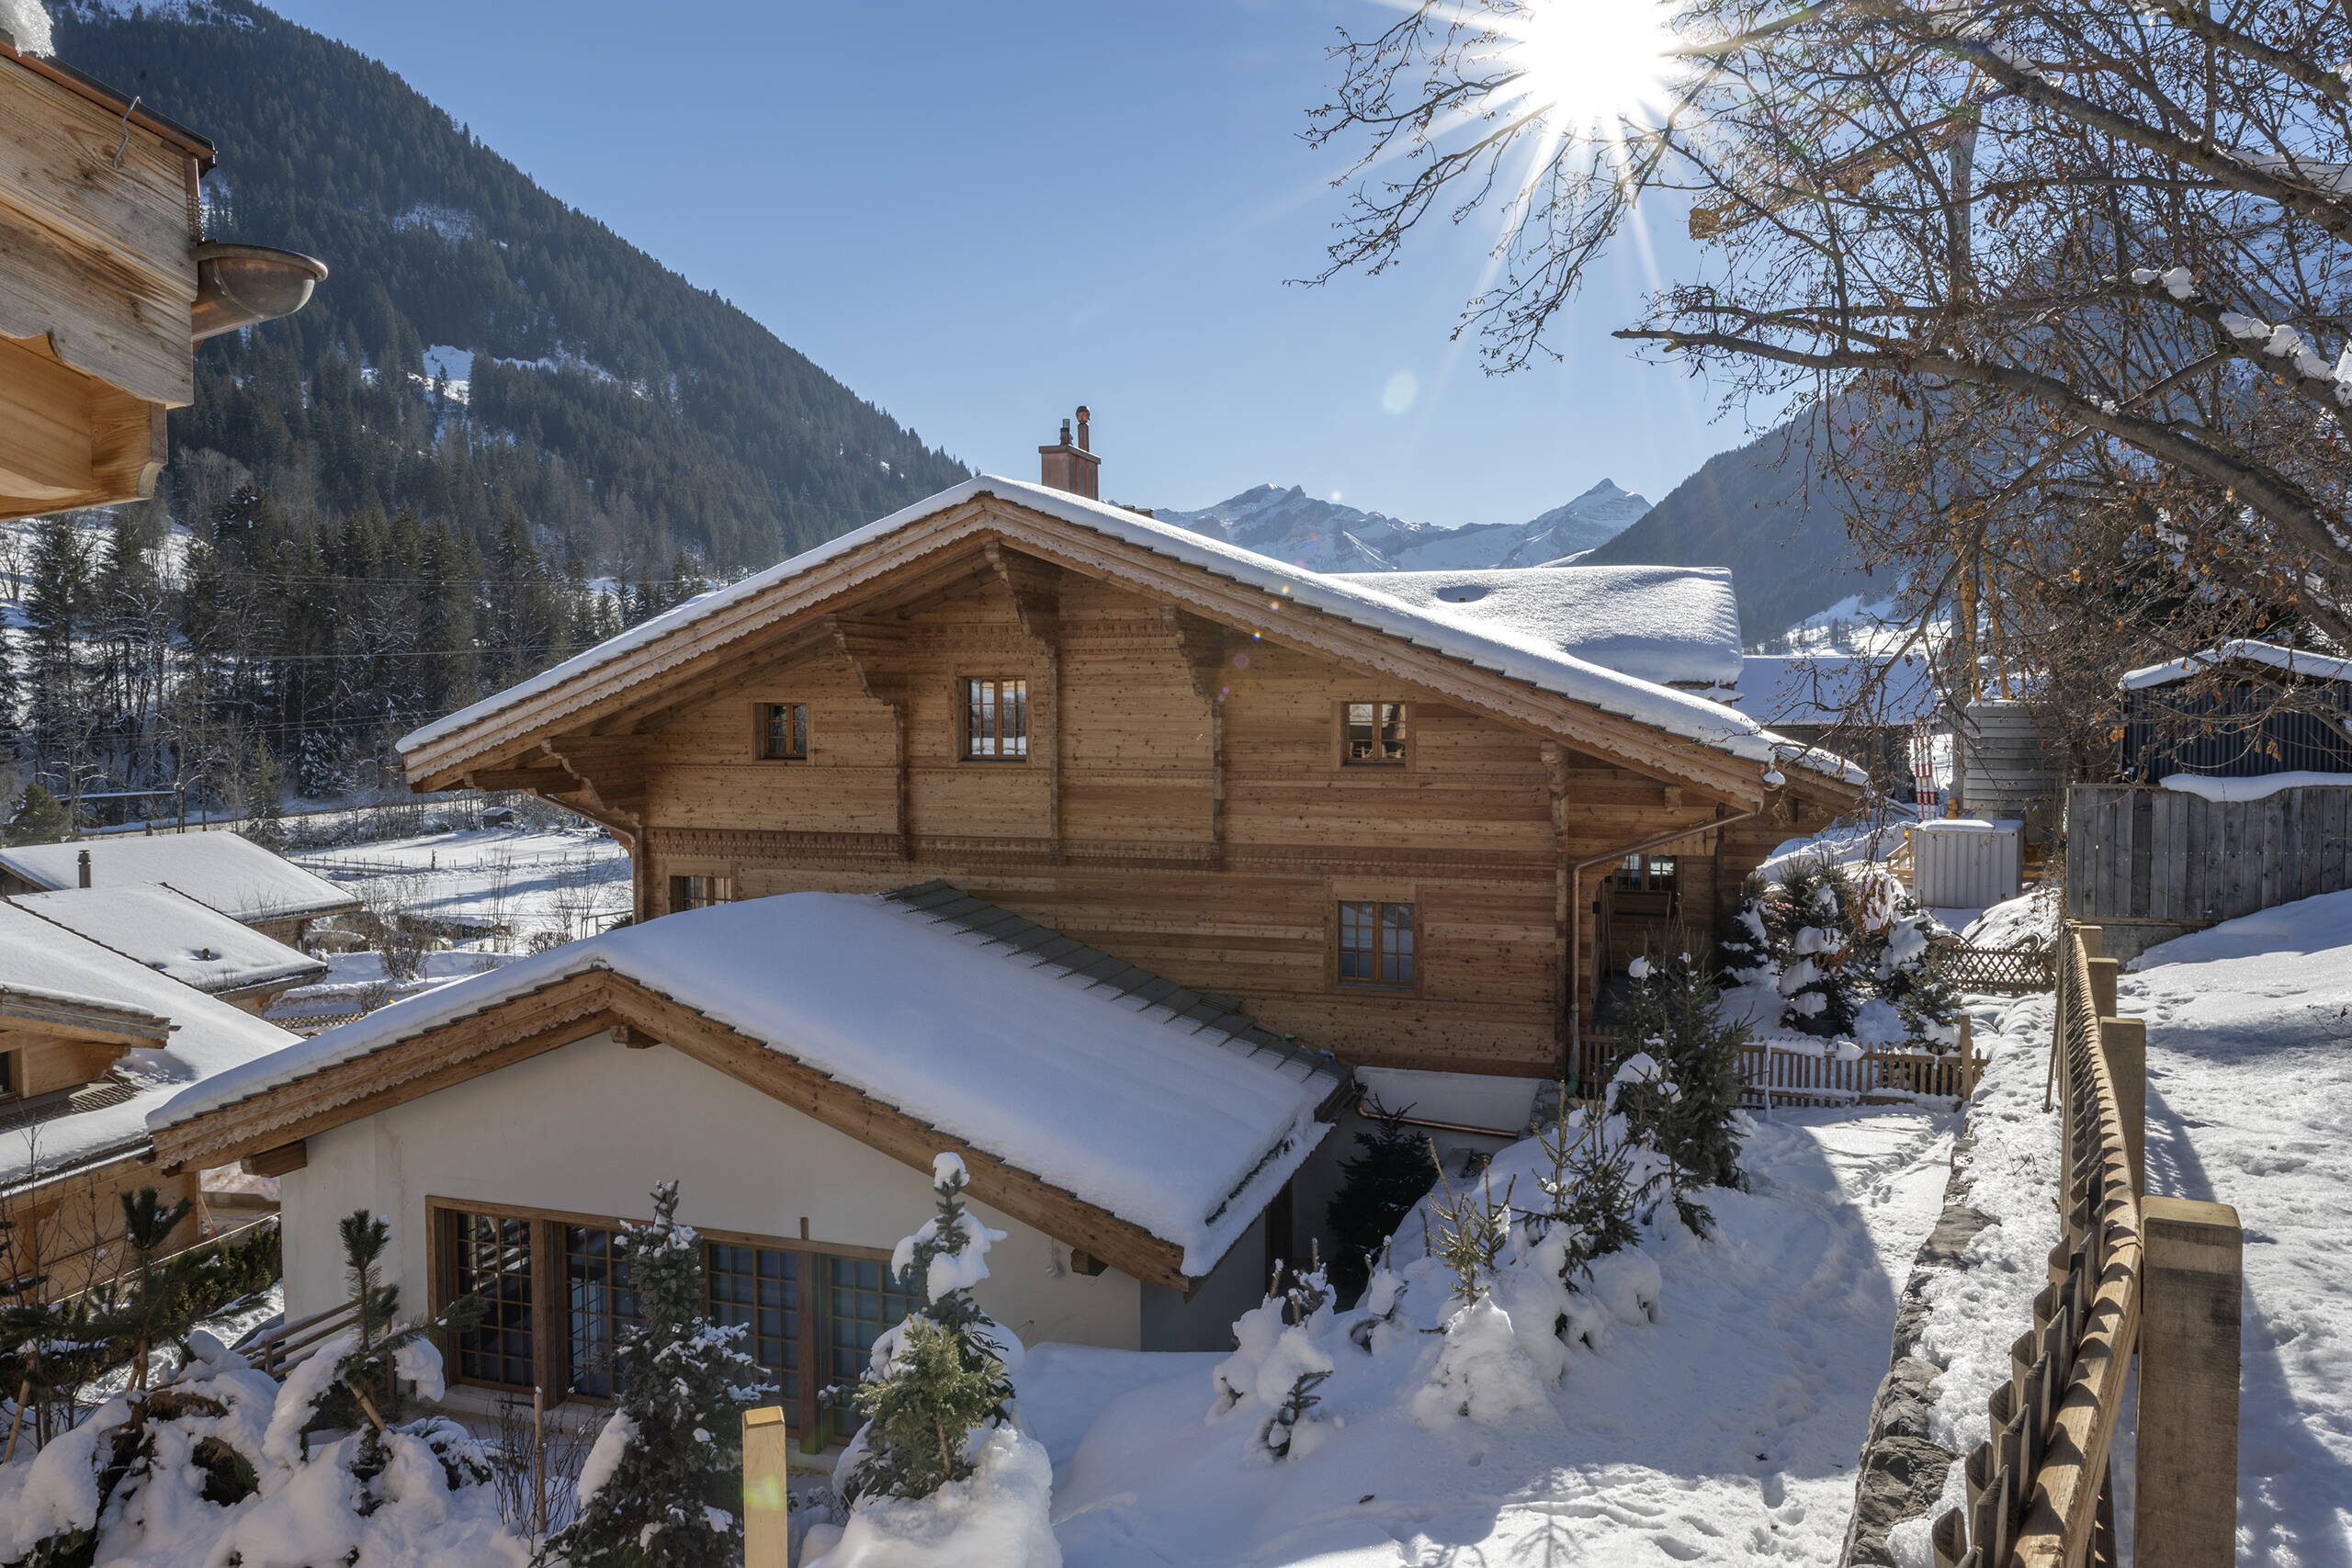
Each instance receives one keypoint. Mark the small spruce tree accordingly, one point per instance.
(264, 803)
(684, 1382)
(941, 1373)
(39, 819)
(366, 1391)
(1691, 1114)
(1388, 1175)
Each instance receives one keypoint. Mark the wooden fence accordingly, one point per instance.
(2139, 853)
(1788, 1071)
(1996, 971)
(2039, 1491)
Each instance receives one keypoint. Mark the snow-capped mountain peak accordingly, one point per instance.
(1327, 535)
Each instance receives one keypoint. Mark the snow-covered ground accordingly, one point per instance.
(1727, 1431)
(2249, 1088)
(2249, 1091)
(521, 880)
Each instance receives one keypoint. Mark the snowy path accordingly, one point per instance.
(1725, 1433)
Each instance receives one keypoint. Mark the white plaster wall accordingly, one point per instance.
(590, 1127)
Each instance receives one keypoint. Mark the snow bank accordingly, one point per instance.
(2260, 787)
(1668, 624)
(2028, 918)
(1143, 1114)
(996, 1519)
(1489, 645)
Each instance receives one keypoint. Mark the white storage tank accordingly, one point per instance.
(1966, 862)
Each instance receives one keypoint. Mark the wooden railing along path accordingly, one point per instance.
(279, 1350)
(2021, 971)
(2155, 1276)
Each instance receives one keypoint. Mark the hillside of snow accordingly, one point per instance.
(1325, 536)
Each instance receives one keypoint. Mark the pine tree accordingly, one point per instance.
(684, 1380)
(39, 819)
(1379, 1186)
(264, 805)
(940, 1374)
(1691, 1114)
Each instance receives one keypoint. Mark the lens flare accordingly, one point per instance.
(1587, 66)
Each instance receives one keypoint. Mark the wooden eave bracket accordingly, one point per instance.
(875, 647)
(1036, 590)
(1203, 643)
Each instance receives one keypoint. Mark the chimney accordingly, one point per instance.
(1074, 468)
(81, 864)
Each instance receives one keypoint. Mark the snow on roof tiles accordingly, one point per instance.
(1823, 688)
(2292, 662)
(1668, 624)
(208, 1036)
(166, 929)
(1141, 1112)
(235, 875)
(1490, 645)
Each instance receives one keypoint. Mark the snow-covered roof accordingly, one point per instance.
(2289, 660)
(1824, 688)
(164, 928)
(208, 1036)
(1488, 644)
(1141, 1112)
(1673, 625)
(232, 875)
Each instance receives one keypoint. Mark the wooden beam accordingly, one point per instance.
(279, 1161)
(1036, 587)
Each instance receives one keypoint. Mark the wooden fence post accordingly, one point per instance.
(2124, 1041)
(2187, 1487)
(2094, 943)
(2105, 972)
(767, 1453)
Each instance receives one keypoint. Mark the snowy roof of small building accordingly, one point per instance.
(1824, 688)
(1673, 625)
(1488, 644)
(164, 928)
(2288, 660)
(232, 875)
(208, 1036)
(1181, 1125)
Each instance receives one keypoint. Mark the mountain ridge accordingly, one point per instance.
(1327, 535)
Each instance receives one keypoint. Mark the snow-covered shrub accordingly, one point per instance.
(675, 1437)
(1281, 1356)
(941, 1473)
(1845, 952)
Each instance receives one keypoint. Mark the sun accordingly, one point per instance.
(1588, 65)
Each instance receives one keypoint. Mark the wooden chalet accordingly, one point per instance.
(110, 284)
(1388, 830)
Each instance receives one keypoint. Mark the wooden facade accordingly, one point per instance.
(1185, 802)
(108, 285)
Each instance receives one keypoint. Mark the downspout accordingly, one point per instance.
(1576, 915)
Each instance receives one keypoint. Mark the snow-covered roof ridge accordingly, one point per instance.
(162, 928)
(1670, 625)
(2291, 660)
(1139, 1113)
(207, 1036)
(232, 875)
(1490, 646)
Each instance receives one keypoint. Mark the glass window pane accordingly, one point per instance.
(864, 1299)
(600, 1307)
(1372, 733)
(492, 1261)
(759, 1287)
(1356, 941)
(1662, 869)
(1017, 718)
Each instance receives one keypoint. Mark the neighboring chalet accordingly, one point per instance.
(234, 876)
(1022, 825)
(1867, 708)
(90, 1042)
(109, 284)
(193, 942)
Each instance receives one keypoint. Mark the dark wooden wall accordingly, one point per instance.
(2141, 854)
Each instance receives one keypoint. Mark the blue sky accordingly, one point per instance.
(977, 215)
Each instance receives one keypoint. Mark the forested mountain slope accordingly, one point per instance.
(623, 410)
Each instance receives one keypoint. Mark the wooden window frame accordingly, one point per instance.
(762, 732)
(1411, 988)
(963, 718)
(679, 902)
(1404, 706)
(551, 1311)
(12, 1076)
(1648, 875)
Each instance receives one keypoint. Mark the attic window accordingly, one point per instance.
(1372, 735)
(996, 721)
